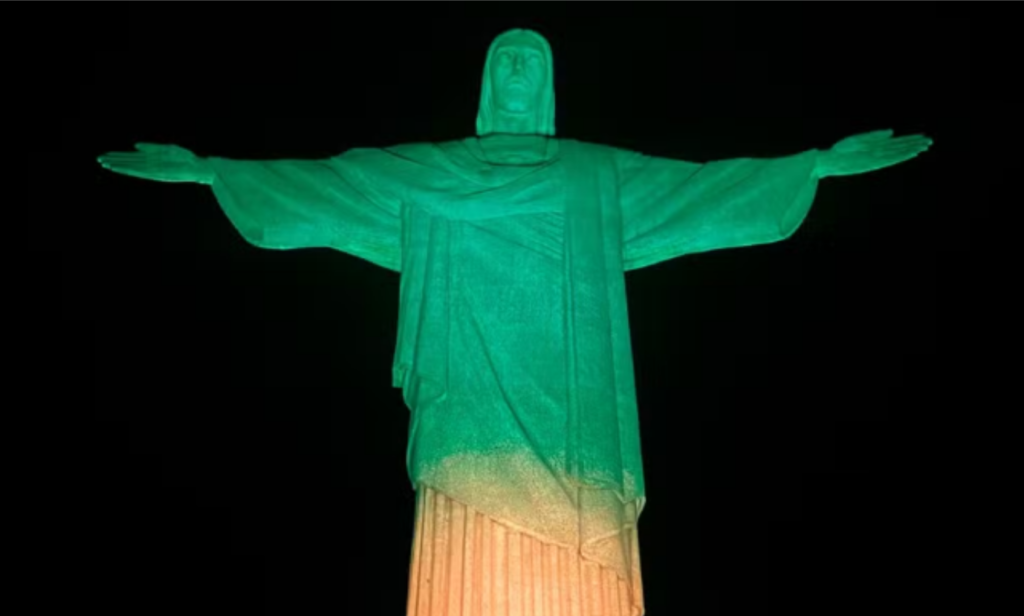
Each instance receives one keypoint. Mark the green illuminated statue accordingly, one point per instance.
(513, 348)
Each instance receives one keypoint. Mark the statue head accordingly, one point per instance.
(518, 92)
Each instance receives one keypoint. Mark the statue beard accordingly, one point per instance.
(517, 100)
(518, 110)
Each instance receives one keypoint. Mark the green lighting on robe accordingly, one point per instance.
(513, 349)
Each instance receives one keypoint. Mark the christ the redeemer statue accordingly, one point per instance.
(513, 349)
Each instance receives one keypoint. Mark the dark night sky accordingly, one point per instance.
(248, 450)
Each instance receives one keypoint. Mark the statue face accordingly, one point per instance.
(518, 72)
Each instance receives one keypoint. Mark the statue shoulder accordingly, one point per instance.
(597, 151)
(391, 155)
(595, 147)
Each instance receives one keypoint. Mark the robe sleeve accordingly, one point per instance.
(349, 203)
(672, 208)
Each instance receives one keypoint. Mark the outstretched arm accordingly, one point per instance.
(672, 208)
(348, 202)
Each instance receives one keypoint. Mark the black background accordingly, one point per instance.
(247, 453)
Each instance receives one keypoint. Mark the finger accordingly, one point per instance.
(875, 135)
(911, 139)
(908, 144)
(915, 136)
(895, 159)
(144, 146)
(894, 156)
(132, 172)
(140, 164)
(119, 167)
(894, 142)
(133, 157)
(119, 154)
(894, 147)
(899, 147)
(864, 143)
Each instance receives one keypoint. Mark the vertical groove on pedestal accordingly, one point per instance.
(467, 564)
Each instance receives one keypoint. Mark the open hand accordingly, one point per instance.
(869, 152)
(163, 163)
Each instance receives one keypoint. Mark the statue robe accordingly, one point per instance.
(513, 349)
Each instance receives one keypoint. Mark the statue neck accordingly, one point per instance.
(513, 123)
(515, 149)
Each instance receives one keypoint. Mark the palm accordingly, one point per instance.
(163, 163)
(869, 152)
